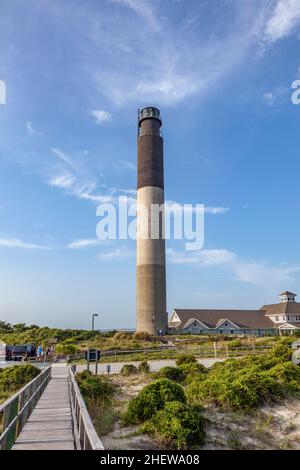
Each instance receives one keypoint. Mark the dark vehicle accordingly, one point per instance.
(9, 352)
(23, 352)
(19, 352)
(5, 352)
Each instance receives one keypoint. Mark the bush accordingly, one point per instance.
(286, 374)
(249, 381)
(123, 335)
(152, 398)
(193, 371)
(129, 369)
(235, 343)
(141, 336)
(85, 374)
(94, 388)
(177, 425)
(66, 348)
(245, 388)
(144, 367)
(185, 359)
(15, 377)
(172, 373)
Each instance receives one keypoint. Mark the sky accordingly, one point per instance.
(76, 71)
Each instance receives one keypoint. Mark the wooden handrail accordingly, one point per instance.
(17, 409)
(85, 435)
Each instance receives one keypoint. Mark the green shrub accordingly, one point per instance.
(235, 343)
(152, 398)
(246, 388)
(177, 425)
(129, 369)
(193, 371)
(144, 367)
(287, 374)
(185, 359)
(247, 382)
(94, 388)
(85, 374)
(172, 373)
(15, 377)
(66, 348)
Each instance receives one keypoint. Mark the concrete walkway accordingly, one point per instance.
(49, 427)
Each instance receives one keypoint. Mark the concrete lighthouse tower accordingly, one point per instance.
(151, 265)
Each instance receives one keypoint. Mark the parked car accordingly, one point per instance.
(23, 352)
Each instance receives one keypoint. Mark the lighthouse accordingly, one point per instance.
(151, 263)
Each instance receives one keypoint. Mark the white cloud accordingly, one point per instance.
(252, 272)
(127, 165)
(31, 130)
(64, 180)
(212, 257)
(144, 9)
(16, 243)
(101, 116)
(284, 20)
(264, 274)
(116, 254)
(84, 243)
(216, 210)
(63, 156)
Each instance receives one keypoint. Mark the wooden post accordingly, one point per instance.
(96, 365)
(88, 360)
(215, 349)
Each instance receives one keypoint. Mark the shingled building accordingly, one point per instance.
(269, 319)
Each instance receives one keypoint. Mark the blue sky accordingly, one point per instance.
(75, 72)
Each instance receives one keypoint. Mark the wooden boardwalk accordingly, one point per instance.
(50, 425)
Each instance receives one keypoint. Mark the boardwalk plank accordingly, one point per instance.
(50, 425)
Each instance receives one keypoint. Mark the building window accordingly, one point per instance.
(276, 318)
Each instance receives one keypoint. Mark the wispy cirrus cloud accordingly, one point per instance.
(251, 272)
(144, 9)
(32, 131)
(84, 243)
(116, 254)
(17, 243)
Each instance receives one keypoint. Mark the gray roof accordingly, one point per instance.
(246, 319)
(282, 308)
